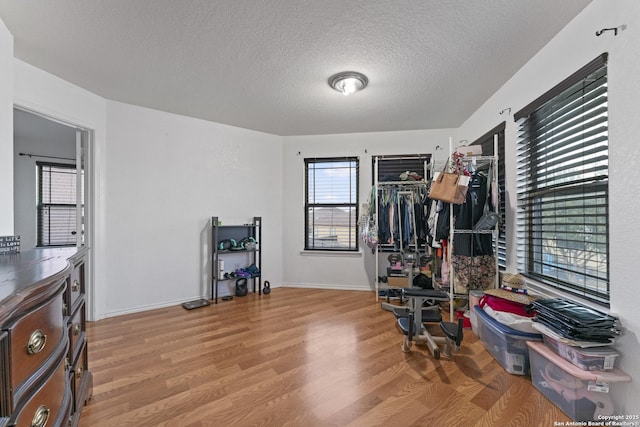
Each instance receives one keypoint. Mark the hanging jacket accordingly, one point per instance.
(467, 214)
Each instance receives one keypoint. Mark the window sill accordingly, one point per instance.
(342, 254)
(540, 289)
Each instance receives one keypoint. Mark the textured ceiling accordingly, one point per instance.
(264, 64)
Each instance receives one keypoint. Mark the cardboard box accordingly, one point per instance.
(398, 282)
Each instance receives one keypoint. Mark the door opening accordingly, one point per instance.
(40, 138)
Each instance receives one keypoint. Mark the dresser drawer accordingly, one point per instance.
(76, 332)
(50, 404)
(81, 375)
(76, 285)
(34, 338)
(5, 391)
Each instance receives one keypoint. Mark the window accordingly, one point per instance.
(391, 166)
(56, 204)
(487, 143)
(563, 171)
(331, 204)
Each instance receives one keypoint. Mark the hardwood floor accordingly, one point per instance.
(296, 357)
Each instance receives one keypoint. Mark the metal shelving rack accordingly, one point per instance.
(220, 233)
(404, 188)
(493, 163)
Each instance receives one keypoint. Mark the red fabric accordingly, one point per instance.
(501, 304)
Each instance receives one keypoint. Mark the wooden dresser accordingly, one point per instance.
(44, 378)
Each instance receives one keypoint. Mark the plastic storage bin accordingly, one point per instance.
(582, 395)
(508, 346)
(474, 299)
(589, 359)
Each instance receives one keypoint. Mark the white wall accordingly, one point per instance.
(329, 270)
(6, 131)
(574, 47)
(168, 175)
(204, 169)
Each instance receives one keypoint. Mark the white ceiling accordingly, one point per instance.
(264, 64)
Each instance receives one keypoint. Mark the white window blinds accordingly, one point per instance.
(56, 204)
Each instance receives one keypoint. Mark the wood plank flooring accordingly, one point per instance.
(296, 357)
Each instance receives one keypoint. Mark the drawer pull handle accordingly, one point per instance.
(37, 341)
(76, 329)
(75, 287)
(79, 372)
(41, 417)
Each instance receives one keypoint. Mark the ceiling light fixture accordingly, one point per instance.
(348, 82)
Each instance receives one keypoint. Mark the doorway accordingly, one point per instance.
(51, 191)
(43, 146)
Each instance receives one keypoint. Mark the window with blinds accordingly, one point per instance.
(331, 204)
(563, 170)
(56, 204)
(391, 167)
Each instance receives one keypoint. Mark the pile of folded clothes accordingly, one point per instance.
(511, 305)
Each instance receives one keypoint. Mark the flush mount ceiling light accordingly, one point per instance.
(348, 82)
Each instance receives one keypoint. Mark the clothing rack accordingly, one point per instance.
(476, 161)
(410, 191)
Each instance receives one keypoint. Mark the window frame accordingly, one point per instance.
(353, 246)
(309, 240)
(543, 207)
(43, 239)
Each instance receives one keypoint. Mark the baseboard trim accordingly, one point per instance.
(166, 304)
(325, 286)
(142, 308)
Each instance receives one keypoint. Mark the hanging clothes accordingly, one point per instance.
(402, 218)
(467, 214)
(442, 225)
(384, 226)
(472, 258)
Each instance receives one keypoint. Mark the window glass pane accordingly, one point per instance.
(333, 228)
(56, 205)
(331, 182)
(57, 225)
(59, 185)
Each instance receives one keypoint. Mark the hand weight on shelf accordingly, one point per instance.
(227, 244)
(267, 288)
